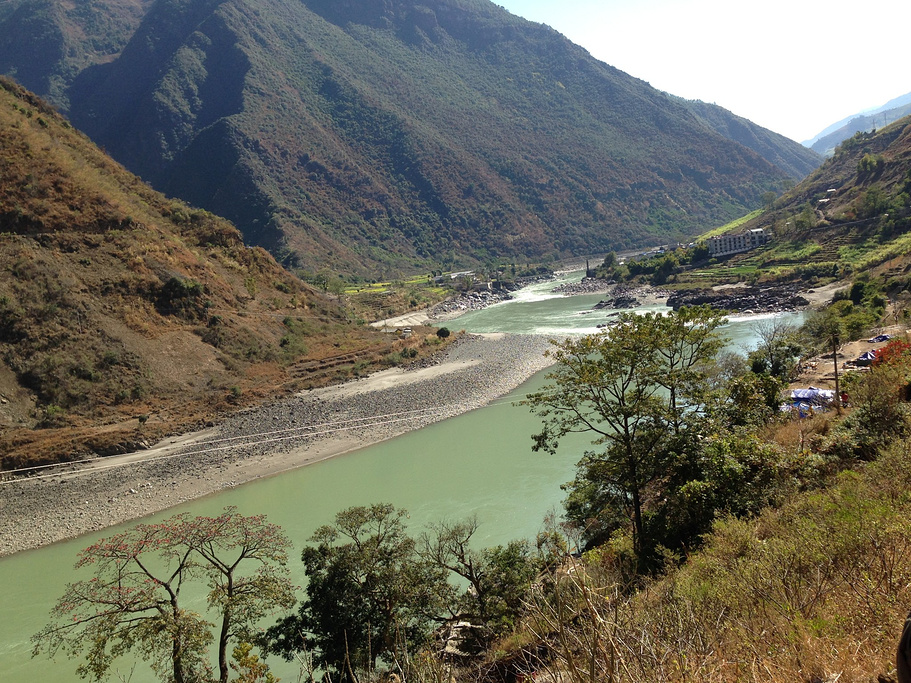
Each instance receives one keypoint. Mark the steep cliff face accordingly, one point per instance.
(386, 136)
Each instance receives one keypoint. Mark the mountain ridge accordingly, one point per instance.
(850, 218)
(830, 137)
(385, 138)
(796, 160)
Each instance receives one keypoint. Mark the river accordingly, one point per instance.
(479, 463)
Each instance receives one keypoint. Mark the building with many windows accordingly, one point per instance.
(736, 243)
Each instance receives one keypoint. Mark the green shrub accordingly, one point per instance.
(870, 164)
(180, 297)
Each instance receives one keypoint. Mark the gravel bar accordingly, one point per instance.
(305, 428)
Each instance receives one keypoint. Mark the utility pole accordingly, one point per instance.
(835, 363)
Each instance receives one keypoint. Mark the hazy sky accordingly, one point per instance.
(793, 66)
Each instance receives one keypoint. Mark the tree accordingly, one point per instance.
(133, 601)
(750, 399)
(805, 220)
(826, 327)
(368, 594)
(249, 667)
(664, 268)
(733, 473)
(699, 252)
(687, 341)
(880, 412)
(778, 348)
(336, 285)
(497, 578)
(634, 388)
(605, 384)
(225, 543)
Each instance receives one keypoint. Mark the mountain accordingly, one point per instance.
(379, 137)
(827, 140)
(46, 44)
(851, 217)
(796, 160)
(117, 303)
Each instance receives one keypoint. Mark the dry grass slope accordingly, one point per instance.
(125, 315)
(814, 591)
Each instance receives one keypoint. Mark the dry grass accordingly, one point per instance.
(798, 434)
(117, 302)
(814, 591)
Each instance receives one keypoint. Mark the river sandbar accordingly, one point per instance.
(263, 441)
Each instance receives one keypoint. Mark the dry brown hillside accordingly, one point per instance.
(125, 315)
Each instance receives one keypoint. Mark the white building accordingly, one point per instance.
(736, 243)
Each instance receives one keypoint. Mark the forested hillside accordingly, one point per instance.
(796, 160)
(375, 138)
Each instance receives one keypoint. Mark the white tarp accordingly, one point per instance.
(813, 395)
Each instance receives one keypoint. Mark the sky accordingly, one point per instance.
(792, 66)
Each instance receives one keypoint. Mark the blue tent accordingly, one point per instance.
(866, 358)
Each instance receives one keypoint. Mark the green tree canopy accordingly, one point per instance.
(633, 388)
(778, 349)
(369, 594)
(497, 578)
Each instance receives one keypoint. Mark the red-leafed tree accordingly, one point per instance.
(880, 411)
(896, 351)
(133, 601)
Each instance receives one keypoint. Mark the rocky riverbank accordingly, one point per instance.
(587, 285)
(619, 295)
(476, 300)
(743, 298)
(302, 429)
(468, 301)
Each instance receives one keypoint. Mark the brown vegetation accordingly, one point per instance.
(387, 138)
(850, 217)
(812, 588)
(814, 591)
(125, 316)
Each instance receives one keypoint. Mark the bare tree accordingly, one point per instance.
(133, 601)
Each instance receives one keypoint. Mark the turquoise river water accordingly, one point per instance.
(479, 463)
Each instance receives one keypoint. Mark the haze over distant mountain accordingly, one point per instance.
(376, 137)
(794, 159)
(827, 140)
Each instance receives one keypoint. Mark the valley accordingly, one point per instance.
(368, 142)
(439, 470)
(500, 336)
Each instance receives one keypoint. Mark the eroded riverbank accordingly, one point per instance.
(306, 428)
